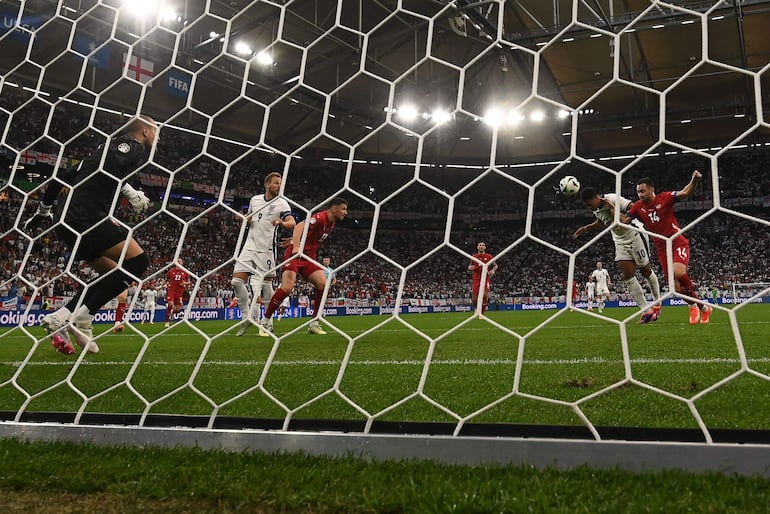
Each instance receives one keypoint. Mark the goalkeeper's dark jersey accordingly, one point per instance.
(93, 187)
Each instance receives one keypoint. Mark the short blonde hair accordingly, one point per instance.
(271, 175)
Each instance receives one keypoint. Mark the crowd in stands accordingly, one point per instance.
(409, 233)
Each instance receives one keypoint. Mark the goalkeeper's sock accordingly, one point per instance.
(275, 302)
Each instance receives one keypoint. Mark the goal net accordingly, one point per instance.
(455, 292)
(749, 292)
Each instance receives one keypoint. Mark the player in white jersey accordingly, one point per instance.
(150, 300)
(268, 213)
(591, 292)
(602, 278)
(632, 250)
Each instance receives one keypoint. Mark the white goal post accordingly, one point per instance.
(743, 291)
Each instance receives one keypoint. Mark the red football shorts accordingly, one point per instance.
(681, 253)
(174, 298)
(302, 267)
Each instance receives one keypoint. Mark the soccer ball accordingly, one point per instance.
(569, 185)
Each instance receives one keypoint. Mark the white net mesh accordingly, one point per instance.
(442, 124)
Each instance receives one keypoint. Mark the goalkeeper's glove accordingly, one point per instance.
(43, 214)
(137, 199)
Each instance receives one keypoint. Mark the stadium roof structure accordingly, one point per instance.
(545, 77)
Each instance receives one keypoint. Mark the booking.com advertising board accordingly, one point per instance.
(15, 317)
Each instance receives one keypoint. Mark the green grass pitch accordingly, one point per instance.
(419, 367)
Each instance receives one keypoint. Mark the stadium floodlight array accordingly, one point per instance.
(248, 77)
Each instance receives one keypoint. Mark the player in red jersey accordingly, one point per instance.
(178, 279)
(120, 311)
(656, 211)
(321, 225)
(476, 266)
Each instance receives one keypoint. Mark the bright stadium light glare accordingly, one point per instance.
(563, 114)
(440, 116)
(537, 116)
(141, 8)
(242, 48)
(493, 117)
(514, 118)
(264, 58)
(167, 13)
(408, 112)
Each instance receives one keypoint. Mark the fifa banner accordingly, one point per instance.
(9, 318)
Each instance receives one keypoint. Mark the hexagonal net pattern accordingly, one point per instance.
(443, 125)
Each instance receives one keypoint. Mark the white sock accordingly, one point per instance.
(637, 293)
(239, 288)
(654, 286)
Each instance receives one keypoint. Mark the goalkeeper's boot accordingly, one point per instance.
(62, 344)
(52, 323)
(83, 333)
(705, 316)
(694, 314)
(315, 328)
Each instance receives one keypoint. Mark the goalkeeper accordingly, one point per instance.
(90, 233)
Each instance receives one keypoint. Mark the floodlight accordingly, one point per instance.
(242, 48)
(537, 116)
(141, 8)
(441, 116)
(264, 58)
(167, 13)
(408, 112)
(514, 118)
(493, 117)
(563, 114)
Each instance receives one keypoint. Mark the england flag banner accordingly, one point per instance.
(139, 69)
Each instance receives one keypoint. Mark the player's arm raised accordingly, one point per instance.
(596, 225)
(689, 189)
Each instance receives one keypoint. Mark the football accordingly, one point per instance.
(569, 185)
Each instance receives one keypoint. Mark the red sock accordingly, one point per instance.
(120, 312)
(169, 308)
(317, 307)
(275, 302)
(686, 286)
